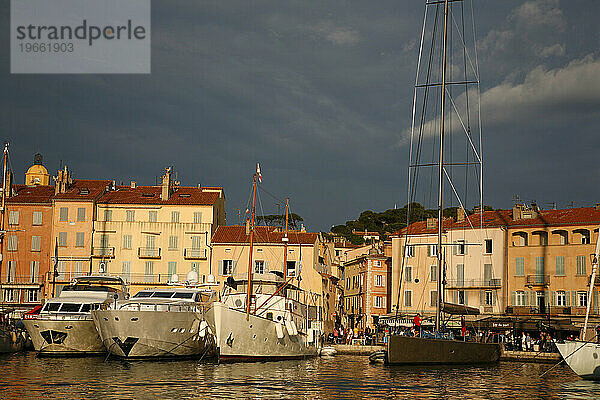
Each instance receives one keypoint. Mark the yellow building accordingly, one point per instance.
(307, 259)
(155, 235)
(37, 174)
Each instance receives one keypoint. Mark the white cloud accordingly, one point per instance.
(337, 34)
(544, 97)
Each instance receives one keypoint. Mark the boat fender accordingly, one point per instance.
(291, 327)
(14, 337)
(203, 328)
(194, 327)
(279, 331)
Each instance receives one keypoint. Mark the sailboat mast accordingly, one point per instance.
(3, 210)
(249, 294)
(595, 258)
(441, 173)
(285, 238)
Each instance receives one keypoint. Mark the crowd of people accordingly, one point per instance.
(347, 336)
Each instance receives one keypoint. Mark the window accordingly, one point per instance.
(227, 267)
(347, 283)
(520, 266)
(407, 298)
(173, 242)
(37, 218)
(560, 265)
(338, 253)
(172, 269)
(488, 246)
(432, 250)
(13, 218)
(64, 214)
(11, 244)
(487, 274)
(539, 298)
(462, 297)
(409, 250)
(127, 242)
(582, 299)
(104, 241)
(36, 243)
(78, 268)
(32, 295)
(197, 217)
(379, 301)
(291, 268)
(34, 271)
(461, 248)
(433, 273)
(197, 243)
(460, 275)
(149, 272)
(150, 241)
(561, 298)
(259, 267)
(108, 215)
(152, 216)
(520, 297)
(126, 271)
(79, 239)
(539, 270)
(175, 216)
(195, 266)
(433, 298)
(81, 214)
(61, 268)
(9, 295)
(581, 265)
(376, 263)
(488, 298)
(408, 273)
(130, 215)
(11, 272)
(378, 280)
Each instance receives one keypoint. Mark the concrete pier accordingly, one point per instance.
(530, 357)
(357, 350)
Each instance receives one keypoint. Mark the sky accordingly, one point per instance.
(320, 93)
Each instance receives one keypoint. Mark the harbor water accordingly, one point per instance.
(25, 376)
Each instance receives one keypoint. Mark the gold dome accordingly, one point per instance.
(37, 174)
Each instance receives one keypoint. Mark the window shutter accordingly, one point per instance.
(266, 266)
(455, 248)
(553, 298)
(494, 298)
(234, 270)
(526, 298)
(482, 297)
(546, 297)
(220, 267)
(429, 251)
(574, 298)
(596, 302)
(455, 297)
(567, 299)
(513, 298)
(466, 251)
(466, 297)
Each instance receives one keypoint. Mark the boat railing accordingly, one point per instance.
(51, 316)
(165, 307)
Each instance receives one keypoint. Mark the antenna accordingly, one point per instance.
(516, 199)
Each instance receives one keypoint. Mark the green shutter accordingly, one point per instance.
(234, 272)
(220, 272)
(574, 298)
(567, 298)
(553, 301)
(526, 298)
(428, 251)
(513, 298)
(482, 297)
(466, 297)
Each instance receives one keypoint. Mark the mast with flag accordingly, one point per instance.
(257, 178)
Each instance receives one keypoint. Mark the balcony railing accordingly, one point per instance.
(22, 280)
(554, 310)
(194, 254)
(149, 252)
(103, 252)
(538, 280)
(474, 283)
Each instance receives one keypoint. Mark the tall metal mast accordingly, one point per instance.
(441, 173)
(249, 294)
(285, 238)
(3, 210)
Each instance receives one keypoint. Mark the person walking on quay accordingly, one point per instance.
(523, 342)
(417, 324)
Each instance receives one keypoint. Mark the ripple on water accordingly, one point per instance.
(26, 376)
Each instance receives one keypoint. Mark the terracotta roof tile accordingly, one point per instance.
(31, 194)
(151, 195)
(262, 235)
(84, 189)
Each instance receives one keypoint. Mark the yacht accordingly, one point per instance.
(64, 325)
(159, 323)
(277, 328)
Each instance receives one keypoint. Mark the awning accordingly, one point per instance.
(459, 309)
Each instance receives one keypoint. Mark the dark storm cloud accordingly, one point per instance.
(319, 93)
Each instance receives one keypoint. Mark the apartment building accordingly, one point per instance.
(156, 235)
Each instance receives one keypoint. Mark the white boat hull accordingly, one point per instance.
(64, 337)
(149, 334)
(582, 357)
(255, 339)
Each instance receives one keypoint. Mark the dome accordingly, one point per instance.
(38, 170)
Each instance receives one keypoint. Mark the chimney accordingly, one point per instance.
(477, 209)
(302, 228)
(431, 223)
(597, 206)
(62, 181)
(133, 184)
(247, 226)
(166, 184)
(517, 212)
(460, 214)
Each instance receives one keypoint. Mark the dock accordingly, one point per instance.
(357, 350)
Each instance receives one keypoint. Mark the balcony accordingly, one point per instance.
(194, 254)
(494, 283)
(538, 280)
(103, 252)
(22, 280)
(554, 310)
(149, 252)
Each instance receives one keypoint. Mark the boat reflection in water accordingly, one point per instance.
(64, 325)
(163, 323)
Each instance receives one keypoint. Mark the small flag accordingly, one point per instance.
(247, 211)
(258, 174)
